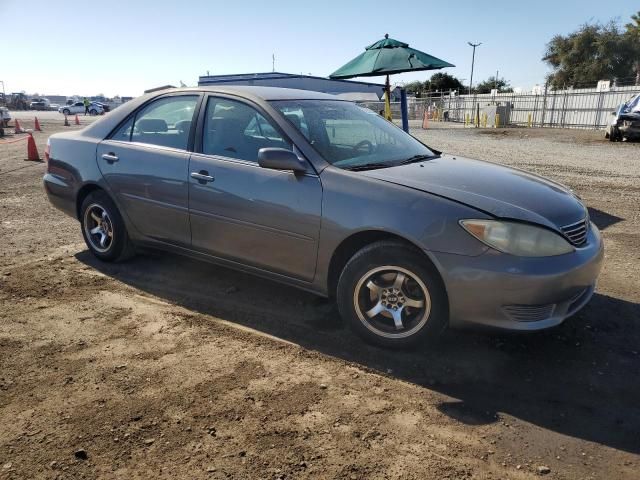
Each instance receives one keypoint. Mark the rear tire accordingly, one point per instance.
(66, 111)
(103, 229)
(392, 296)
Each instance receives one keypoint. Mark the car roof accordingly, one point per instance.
(259, 92)
(101, 128)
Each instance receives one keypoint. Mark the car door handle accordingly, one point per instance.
(202, 176)
(110, 157)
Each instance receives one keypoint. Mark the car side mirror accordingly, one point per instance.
(280, 159)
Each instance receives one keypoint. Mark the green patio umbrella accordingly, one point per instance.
(386, 57)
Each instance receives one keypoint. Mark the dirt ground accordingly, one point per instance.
(166, 368)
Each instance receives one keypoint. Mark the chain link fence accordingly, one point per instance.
(579, 108)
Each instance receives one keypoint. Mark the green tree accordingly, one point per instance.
(443, 82)
(633, 27)
(592, 53)
(414, 87)
(633, 34)
(490, 83)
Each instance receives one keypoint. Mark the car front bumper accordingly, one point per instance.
(632, 130)
(520, 293)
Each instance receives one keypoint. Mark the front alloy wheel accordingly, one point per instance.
(392, 301)
(392, 295)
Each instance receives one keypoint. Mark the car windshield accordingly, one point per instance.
(351, 137)
(633, 105)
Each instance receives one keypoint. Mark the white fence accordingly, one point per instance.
(580, 108)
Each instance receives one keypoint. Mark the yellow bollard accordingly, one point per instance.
(485, 119)
(497, 121)
(529, 123)
(466, 119)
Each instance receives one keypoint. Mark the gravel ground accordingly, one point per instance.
(163, 367)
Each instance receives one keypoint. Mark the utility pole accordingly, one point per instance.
(495, 84)
(473, 61)
(273, 62)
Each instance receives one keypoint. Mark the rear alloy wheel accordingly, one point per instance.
(93, 112)
(103, 229)
(392, 296)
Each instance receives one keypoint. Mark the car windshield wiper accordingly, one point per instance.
(367, 166)
(417, 158)
(373, 166)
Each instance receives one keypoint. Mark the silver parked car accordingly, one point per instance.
(327, 196)
(78, 107)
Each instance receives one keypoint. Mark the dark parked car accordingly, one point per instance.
(625, 123)
(104, 106)
(327, 196)
(39, 104)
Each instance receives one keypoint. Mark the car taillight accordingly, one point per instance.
(47, 151)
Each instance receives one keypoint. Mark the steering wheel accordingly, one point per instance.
(364, 143)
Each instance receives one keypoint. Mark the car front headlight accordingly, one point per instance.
(518, 239)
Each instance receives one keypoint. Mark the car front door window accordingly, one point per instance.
(236, 130)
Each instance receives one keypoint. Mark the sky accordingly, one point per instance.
(117, 47)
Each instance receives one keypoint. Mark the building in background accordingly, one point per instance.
(346, 89)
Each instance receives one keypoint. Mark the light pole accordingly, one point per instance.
(473, 61)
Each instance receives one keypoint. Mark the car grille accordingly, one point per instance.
(529, 313)
(577, 232)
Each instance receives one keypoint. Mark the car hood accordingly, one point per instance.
(500, 191)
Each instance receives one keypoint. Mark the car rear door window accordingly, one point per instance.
(236, 130)
(165, 122)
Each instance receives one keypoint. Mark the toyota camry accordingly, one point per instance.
(327, 196)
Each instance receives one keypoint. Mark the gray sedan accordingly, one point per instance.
(324, 195)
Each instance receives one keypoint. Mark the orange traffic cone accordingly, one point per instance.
(77, 122)
(32, 150)
(66, 121)
(37, 126)
(18, 128)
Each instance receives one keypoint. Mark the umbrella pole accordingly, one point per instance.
(387, 100)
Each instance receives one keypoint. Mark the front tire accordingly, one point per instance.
(66, 111)
(614, 134)
(103, 229)
(392, 296)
